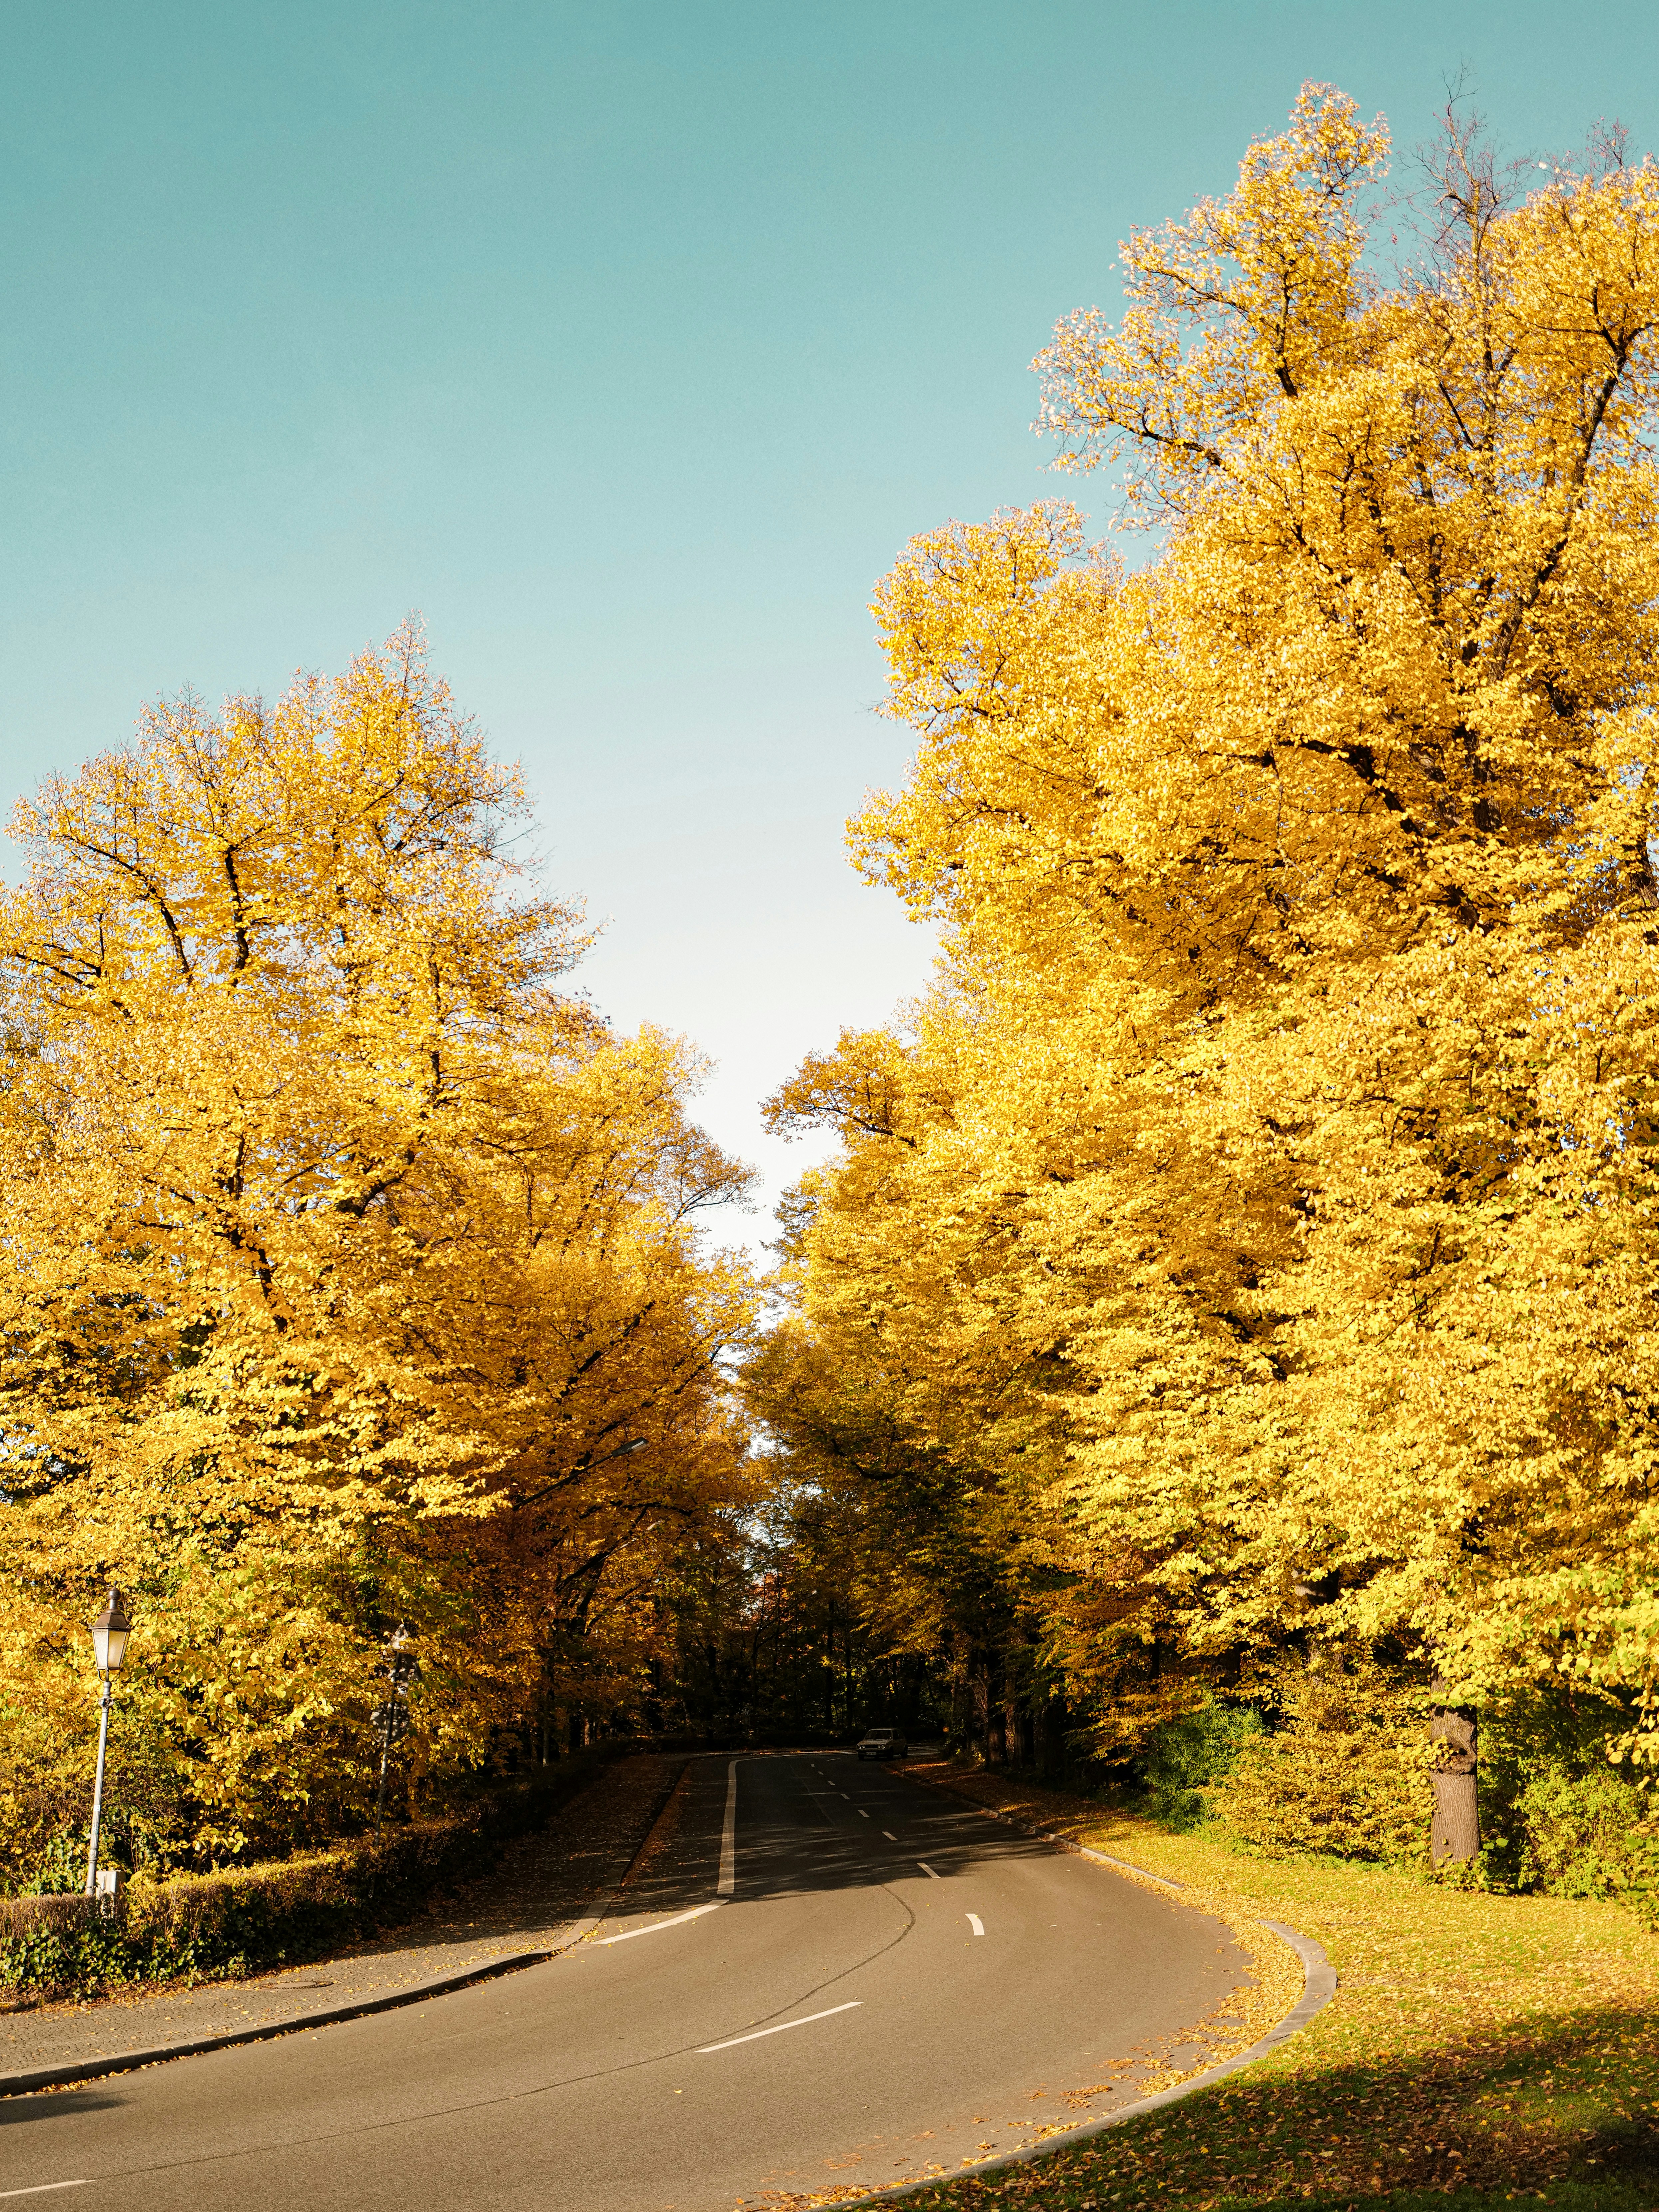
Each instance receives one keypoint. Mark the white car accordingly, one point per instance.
(882, 1743)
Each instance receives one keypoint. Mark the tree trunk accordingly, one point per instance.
(1455, 1833)
(979, 1704)
(996, 1710)
(962, 1698)
(1024, 1732)
(1052, 1755)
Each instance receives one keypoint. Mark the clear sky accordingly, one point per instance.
(628, 342)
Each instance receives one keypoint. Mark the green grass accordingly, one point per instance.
(1480, 2052)
(1609, 2196)
(1572, 2197)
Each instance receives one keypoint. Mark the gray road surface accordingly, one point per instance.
(640, 2076)
(545, 1888)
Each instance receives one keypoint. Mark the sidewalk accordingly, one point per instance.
(546, 1895)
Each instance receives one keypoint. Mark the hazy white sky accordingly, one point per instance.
(628, 344)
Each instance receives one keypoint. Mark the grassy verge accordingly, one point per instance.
(1481, 2051)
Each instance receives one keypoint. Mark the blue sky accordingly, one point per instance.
(628, 344)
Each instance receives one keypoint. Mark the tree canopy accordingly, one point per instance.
(351, 1272)
(1252, 1234)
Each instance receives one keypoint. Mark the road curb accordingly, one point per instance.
(128, 2062)
(1318, 1986)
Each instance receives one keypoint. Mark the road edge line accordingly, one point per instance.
(128, 2062)
(728, 1884)
(656, 1927)
(1049, 1836)
(1319, 1986)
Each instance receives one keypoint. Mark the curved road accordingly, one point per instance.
(872, 1982)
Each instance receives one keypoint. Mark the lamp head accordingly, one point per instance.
(109, 1631)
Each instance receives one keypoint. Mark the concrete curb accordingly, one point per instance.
(1319, 1986)
(128, 2062)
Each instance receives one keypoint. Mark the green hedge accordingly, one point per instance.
(215, 1925)
(1581, 1834)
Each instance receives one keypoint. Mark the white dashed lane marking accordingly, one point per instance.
(754, 2035)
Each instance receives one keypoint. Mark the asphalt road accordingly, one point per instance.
(892, 1984)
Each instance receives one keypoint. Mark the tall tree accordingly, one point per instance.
(1289, 1095)
(351, 1271)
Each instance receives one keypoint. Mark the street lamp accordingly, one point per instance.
(402, 1670)
(109, 1631)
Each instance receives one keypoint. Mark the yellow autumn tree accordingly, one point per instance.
(905, 1384)
(1282, 1133)
(351, 1272)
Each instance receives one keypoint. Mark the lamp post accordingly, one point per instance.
(402, 1669)
(109, 1631)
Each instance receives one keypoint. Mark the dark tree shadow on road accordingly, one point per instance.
(55, 2104)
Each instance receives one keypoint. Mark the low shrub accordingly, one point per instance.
(1591, 1834)
(63, 1915)
(1555, 1814)
(1183, 1759)
(52, 1943)
(1349, 1793)
(210, 1926)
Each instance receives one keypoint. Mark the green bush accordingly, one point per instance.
(1555, 1814)
(59, 1867)
(1591, 1834)
(1184, 1758)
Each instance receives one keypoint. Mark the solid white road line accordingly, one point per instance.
(657, 1926)
(925, 1868)
(728, 1881)
(976, 1923)
(782, 2026)
(41, 2187)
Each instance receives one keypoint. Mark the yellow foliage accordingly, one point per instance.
(1269, 1184)
(344, 1255)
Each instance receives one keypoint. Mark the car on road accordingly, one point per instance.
(882, 1743)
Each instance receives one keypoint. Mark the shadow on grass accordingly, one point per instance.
(1568, 2197)
(1566, 2109)
(1627, 2196)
